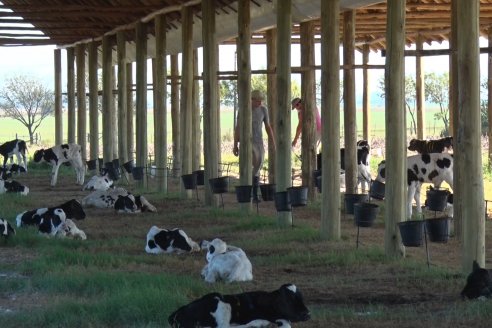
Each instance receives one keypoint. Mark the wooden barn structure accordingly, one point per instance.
(117, 33)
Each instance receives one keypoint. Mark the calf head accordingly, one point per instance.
(73, 209)
(126, 204)
(478, 283)
(363, 145)
(38, 155)
(6, 229)
(215, 247)
(70, 230)
(290, 304)
(381, 176)
(51, 221)
(415, 145)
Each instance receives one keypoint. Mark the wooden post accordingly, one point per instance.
(71, 94)
(160, 108)
(420, 90)
(469, 135)
(330, 119)
(271, 40)
(81, 108)
(122, 98)
(141, 95)
(489, 98)
(186, 94)
(107, 100)
(58, 98)
(210, 99)
(308, 91)
(196, 134)
(175, 117)
(93, 102)
(244, 97)
(114, 111)
(396, 164)
(283, 167)
(366, 95)
(349, 110)
(130, 135)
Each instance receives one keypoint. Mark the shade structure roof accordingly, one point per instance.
(65, 23)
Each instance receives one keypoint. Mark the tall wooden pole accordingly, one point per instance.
(130, 127)
(349, 109)
(283, 166)
(210, 99)
(196, 133)
(175, 117)
(396, 164)
(58, 98)
(122, 98)
(308, 90)
(71, 94)
(160, 108)
(81, 107)
(330, 119)
(469, 135)
(107, 99)
(271, 40)
(186, 94)
(93, 102)
(489, 98)
(420, 90)
(244, 96)
(141, 95)
(366, 95)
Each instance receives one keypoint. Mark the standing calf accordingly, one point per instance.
(15, 147)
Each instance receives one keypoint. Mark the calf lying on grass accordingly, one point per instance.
(251, 309)
(72, 210)
(99, 182)
(13, 186)
(478, 283)
(6, 229)
(226, 262)
(119, 199)
(169, 241)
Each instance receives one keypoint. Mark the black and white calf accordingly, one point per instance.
(252, 309)
(15, 147)
(226, 263)
(478, 283)
(52, 221)
(119, 199)
(6, 229)
(72, 210)
(434, 168)
(431, 146)
(13, 186)
(58, 155)
(99, 182)
(169, 241)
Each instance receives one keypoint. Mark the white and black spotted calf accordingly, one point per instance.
(6, 230)
(16, 148)
(99, 182)
(225, 263)
(434, 168)
(51, 222)
(119, 199)
(60, 154)
(478, 283)
(13, 186)
(72, 209)
(169, 241)
(280, 307)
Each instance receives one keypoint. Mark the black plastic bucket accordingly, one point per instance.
(282, 201)
(243, 193)
(189, 180)
(377, 189)
(365, 214)
(219, 185)
(351, 199)
(437, 229)
(138, 173)
(298, 195)
(113, 172)
(268, 191)
(200, 177)
(92, 164)
(412, 232)
(128, 166)
(437, 199)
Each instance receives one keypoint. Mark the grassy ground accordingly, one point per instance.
(109, 280)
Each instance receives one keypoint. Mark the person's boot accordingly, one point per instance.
(256, 184)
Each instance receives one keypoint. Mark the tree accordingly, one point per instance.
(437, 91)
(28, 101)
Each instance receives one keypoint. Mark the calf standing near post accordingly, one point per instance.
(15, 147)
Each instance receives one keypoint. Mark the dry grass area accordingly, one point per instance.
(343, 286)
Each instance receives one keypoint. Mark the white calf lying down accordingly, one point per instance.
(6, 229)
(432, 168)
(169, 241)
(119, 199)
(13, 186)
(251, 309)
(68, 229)
(99, 182)
(225, 262)
(57, 155)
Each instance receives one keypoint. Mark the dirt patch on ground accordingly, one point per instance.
(327, 288)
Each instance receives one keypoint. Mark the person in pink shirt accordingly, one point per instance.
(299, 106)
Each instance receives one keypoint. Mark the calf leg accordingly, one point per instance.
(410, 196)
(54, 174)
